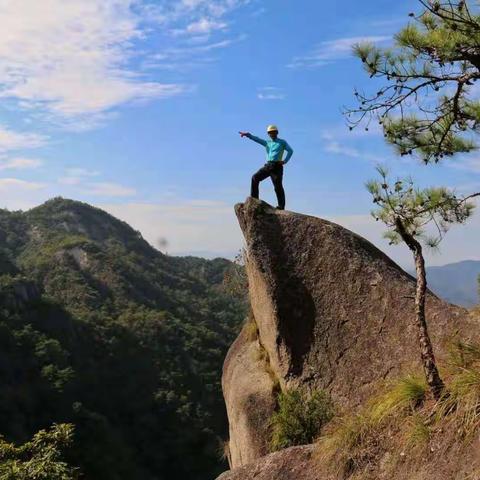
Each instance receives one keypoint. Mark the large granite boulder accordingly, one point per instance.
(332, 312)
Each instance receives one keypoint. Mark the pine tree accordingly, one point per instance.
(427, 105)
(41, 458)
(407, 211)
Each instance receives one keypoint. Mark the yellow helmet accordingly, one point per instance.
(272, 128)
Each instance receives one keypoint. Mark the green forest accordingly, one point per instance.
(111, 351)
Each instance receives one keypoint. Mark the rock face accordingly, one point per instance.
(253, 384)
(332, 312)
(295, 463)
(304, 463)
(18, 294)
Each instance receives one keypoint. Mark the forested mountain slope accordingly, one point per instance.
(100, 329)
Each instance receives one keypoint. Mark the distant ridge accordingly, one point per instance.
(456, 282)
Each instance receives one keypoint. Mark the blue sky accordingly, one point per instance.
(134, 106)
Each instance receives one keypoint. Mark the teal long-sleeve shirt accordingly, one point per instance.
(275, 148)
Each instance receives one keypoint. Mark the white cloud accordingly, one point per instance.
(196, 53)
(8, 184)
(20, 163)
(12, 140)
(217, 45)
(270, 93)
(81, 180)
(70, 180)
(343, 132)
(75, 176)
(82, 172)
(203, 26)
(74, 62)
(71, 59)
(215, 8)
(185, 52)
(19, 194)
(338, 140)
(193, 16)
(108, 189)
(191, 24)
(341, 149)
(329, 51)
(336, 147)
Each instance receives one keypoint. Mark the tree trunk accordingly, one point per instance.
(428, 358)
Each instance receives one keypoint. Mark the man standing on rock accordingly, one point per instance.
(274, 167)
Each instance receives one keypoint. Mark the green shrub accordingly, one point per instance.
(299, 418)
(39, 459)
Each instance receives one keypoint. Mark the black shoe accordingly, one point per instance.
(280, 208)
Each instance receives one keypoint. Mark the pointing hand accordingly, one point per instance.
(243, 134)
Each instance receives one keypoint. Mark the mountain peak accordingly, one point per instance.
(63, 215)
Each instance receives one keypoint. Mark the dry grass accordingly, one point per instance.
(404, 424)
(460, 409)
(264, 358)
(354, 441)
(261, 355)
(418, 432)
(224, 450)
(251, 328)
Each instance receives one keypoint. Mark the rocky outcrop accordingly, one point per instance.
(17, 293)
(78, 254)
(249, 384)
(332, 312)
(295, 463)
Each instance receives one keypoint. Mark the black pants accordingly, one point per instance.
(274, 170)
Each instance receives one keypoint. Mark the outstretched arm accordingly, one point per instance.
(289, 150)
(254, 138)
